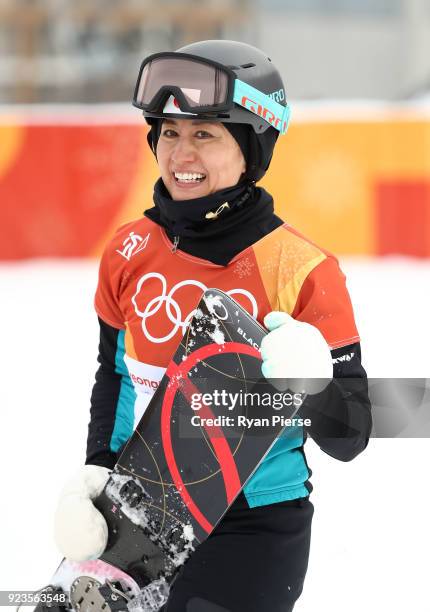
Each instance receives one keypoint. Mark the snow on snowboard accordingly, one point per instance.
(189, 457)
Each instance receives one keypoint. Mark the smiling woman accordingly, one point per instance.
(215, 110)
(197, 158)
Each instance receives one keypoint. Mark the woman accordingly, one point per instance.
(215, 110)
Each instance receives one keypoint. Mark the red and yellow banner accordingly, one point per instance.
(356, 185)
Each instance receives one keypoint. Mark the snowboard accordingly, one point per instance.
(208, 426)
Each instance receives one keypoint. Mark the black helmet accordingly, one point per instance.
(252, 68)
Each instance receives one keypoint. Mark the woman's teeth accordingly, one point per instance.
(189, 177)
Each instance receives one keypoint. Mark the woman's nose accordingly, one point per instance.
(184, 150)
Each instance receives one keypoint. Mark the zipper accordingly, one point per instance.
(175, 244)
(215, 215)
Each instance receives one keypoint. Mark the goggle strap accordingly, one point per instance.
(261, 104)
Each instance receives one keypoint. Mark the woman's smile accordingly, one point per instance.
(189, 179)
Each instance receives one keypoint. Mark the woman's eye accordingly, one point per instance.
(168, 133)
(203, 134)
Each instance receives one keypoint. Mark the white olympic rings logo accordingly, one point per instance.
(173, 310)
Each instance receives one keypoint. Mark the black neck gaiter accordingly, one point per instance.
(248, 218)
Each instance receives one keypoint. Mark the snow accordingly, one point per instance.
(216, 334)
(213, 301)
(370, 537)
(139, 517)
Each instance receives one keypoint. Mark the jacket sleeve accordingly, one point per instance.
(340, 415)
(105, 399)
(341, 420)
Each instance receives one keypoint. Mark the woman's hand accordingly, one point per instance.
(80, 530)
(295, 355)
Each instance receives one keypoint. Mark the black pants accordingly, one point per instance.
(255, 560)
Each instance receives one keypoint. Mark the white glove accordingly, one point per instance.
(80, 530)
(295, 355)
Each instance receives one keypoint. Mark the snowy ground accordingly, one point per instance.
(371, 535)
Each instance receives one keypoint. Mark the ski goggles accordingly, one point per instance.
(202, 87)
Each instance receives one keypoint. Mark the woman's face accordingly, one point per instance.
(197, 158)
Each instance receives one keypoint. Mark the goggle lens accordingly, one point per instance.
(201, 84)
